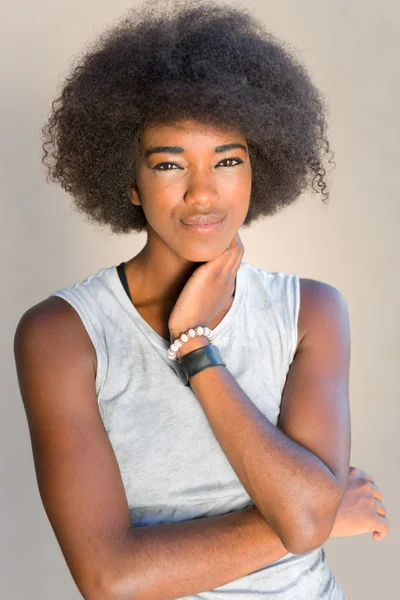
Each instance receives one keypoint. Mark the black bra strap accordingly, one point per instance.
(124, 281)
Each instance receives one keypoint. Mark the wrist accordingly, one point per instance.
(192, 344)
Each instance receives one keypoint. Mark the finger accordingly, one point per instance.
(376, 492)
(232, 249)
(382, 525)
(236, 242)
(236, 239)
(234, 253)
(236, 265)
(365, 475)
(225, 258)
(378, 536)
(380, 509)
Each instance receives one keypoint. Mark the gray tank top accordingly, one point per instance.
(171, 463)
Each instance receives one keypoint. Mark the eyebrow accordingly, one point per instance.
(179, 149)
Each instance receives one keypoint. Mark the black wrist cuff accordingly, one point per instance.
(198, 360)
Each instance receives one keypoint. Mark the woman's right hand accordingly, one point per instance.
(361, 509)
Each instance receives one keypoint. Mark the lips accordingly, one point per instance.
(202, 219)
(204, 227)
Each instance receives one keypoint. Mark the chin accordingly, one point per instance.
(201, 252)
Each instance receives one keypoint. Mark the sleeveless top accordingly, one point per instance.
(172, 466)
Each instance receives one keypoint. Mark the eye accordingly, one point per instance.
(159, 166)
(238, 160)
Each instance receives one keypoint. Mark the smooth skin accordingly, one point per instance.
(77, 473)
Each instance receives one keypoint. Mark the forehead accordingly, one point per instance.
(191, 131)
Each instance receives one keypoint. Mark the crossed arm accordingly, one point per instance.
(295, 473)
(107, 556)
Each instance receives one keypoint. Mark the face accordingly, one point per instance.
(184, 171)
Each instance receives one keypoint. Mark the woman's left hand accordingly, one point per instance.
(207, 290)
(361, 509)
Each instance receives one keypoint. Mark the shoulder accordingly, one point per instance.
(321, 304)
(49, 324)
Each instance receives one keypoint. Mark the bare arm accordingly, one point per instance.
(296, 473)
(181, 559)
(82, 490)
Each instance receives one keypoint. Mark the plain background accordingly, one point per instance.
(351, 51)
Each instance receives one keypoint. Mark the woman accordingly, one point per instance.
(189, 415)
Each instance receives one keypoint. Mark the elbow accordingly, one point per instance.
(310, 533)
(114, 590)
(112, 574)
(305, 540)
(304, 529)
(99, 587)
(297, 537)
(112, 586)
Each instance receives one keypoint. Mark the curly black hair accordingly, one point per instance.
(168, 60)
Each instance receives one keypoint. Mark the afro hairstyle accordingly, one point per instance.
(171, 60)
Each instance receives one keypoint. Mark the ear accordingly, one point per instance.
(134, 196)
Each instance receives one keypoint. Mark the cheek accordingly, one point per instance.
(236, 200)
(237, 188)
(158, 203)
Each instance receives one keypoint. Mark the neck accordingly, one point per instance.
(158, 278)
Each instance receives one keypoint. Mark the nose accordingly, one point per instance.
(201, 190)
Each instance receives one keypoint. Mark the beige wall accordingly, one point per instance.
(352, 52)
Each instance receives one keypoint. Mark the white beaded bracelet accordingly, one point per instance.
(184, 337)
